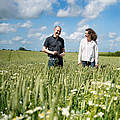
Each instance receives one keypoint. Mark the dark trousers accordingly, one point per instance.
(87, 63)
(55, 62)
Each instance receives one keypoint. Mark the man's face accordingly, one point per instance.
(57, 31)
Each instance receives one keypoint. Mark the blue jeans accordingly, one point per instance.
(55, 62)
(87, 63)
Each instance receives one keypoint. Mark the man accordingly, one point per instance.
(54, 47)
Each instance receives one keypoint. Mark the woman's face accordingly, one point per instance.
(86, 34)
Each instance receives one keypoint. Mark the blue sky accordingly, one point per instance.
(27, 23)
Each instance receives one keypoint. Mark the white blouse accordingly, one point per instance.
(88, 51)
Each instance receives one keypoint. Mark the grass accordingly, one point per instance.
(29, 90)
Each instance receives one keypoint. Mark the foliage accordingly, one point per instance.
(29, 90)
(117, 53)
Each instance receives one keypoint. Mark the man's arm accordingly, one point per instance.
(44, 49)
(63, 52)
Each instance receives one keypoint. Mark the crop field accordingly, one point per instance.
(31, 91)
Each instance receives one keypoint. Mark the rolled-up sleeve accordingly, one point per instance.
(96, 54)
(46, 42)
(80, 53)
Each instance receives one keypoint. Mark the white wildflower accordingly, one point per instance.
(41, 115)
(87, 118)
(95, 116)
(118, 86)
(29, 111)
(118, 68)
(37, 109)
(96, 105)
(30, 104)
(43, 107)
(107, 95)
(74, 90)
(29, 118)
(93, 83)
(87, 113)
(55, 118)
(103, 107)
(107, 88)
(78, 112)
(59, 108)
(94, 92)
(72, 111)
(115, 98)
(100, 114)
(108, 83)
(65, 111)
(6, 117)
(112, 85)
(20, 102)
(16, 74)
(90, 103)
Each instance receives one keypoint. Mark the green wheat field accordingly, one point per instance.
(31, 91)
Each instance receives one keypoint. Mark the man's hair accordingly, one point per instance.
(57, 26)
(92, 33)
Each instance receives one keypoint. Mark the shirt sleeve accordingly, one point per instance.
(96, 54)
(80, 53)
(46, 43)
(63, 43)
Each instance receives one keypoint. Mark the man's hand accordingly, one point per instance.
(62, 54)
(54, 53)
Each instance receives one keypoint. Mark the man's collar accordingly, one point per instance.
(54, 37)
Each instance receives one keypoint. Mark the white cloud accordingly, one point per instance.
(90, 11)
(117, 39)
(27, 24)
(41, 29)
(5, 28)
(72, 10)
(56, 23)
(39, 36)
(82, 28)
(26, 42)
(114, 43)
(70, 1)
(34, 35)
(5, 42)
(8, 9)
(77, 35)
(34, 8)
(95, 7)
(108, 2)
(24, 8)
(82, 22)
(112, 34)
(37, 33)
(17, 38)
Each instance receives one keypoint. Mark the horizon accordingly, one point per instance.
(28, 23)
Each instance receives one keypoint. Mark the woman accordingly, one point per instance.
(88, 51)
